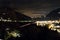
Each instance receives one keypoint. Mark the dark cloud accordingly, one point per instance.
(44, 5)
(32, 3)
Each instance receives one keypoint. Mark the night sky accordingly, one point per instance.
(37, 6)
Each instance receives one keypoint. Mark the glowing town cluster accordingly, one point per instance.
(50, 24)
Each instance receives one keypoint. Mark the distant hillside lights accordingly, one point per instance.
(5, 20)
(11, 20)
(39, 16)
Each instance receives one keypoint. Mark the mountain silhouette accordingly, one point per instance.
(12, 14)
(55, 14)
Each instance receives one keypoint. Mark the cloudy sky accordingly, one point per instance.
(34, 6)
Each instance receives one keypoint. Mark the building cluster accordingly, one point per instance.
(53, 25)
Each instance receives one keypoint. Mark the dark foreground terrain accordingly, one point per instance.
(30, 32)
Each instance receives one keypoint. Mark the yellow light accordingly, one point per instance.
(14, 34)
(58, 30)
(50, 26)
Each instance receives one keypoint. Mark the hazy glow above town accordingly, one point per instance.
(33, 14)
